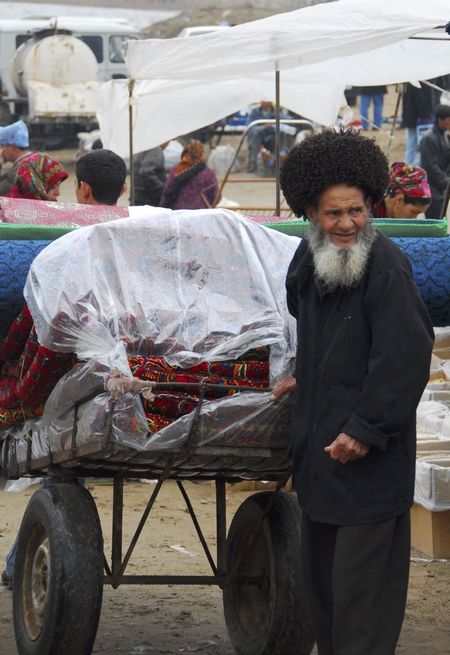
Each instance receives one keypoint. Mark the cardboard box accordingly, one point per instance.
(430, 532)
(433, 447)
(432, 487)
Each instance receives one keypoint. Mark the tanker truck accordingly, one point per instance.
(50, 72)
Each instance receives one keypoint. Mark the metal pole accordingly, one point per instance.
(277, 143)
(130, 137)
(117, 530)
(394, 122)
(443, 211)
(221, 532)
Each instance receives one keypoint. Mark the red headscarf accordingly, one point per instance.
(36, 175)
(192, 155)
(411, 181)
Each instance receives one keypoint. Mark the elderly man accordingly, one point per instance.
(14, 147)
(363, 358)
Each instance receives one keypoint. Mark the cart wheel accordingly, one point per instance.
(58, 573)
(268, 617)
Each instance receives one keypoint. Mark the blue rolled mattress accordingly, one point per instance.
(15, 261)
(430, 259)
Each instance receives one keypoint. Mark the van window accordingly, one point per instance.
(96, 45)
(116, 47)
(21, 38)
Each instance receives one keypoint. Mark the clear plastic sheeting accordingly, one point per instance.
(191, 286)
(243, 420)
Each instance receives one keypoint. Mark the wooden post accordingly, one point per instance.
(394, 122)
(130, 136)
(277, 143)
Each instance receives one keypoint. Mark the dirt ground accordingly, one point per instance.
(181, 619)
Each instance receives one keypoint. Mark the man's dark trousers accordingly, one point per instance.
(356, 580)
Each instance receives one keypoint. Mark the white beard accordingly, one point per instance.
(339, 267)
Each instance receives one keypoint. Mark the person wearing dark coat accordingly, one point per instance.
(418, 104)
(435, 158)
(149, 176)
(363, 359)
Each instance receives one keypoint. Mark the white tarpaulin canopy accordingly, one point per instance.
(183, 84)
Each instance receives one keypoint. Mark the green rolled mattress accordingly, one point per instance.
(22, 232)
(392, 227)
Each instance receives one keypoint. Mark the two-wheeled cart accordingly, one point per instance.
(61, 566)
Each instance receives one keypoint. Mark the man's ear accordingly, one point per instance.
(311, 214)
(86, 191)
(124, 188)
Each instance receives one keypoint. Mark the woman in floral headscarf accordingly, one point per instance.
(38, 177)
(190, 183)
(407, 195)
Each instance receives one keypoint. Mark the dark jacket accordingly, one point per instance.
(149, 177)
(363, 360)
(435, 158)
(372, 90)
(418, 105)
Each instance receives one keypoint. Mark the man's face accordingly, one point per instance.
(341, 214)
(444, 123)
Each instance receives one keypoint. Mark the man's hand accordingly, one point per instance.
(346, 449)
(285, 385)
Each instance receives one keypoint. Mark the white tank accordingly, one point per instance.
(59, 59)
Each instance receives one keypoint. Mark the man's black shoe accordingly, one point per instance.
(7, 580)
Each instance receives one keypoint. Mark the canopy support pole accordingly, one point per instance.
(394, 121)
(277, 143)
(443, 212)
(130, 136)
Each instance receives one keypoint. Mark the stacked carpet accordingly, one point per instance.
(180, 394)
(28, 372)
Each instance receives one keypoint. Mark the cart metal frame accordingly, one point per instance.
(53, 465)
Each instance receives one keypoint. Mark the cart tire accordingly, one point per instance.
(58, 573)
(270, 618)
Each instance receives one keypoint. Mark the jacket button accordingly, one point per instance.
(314, 426)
